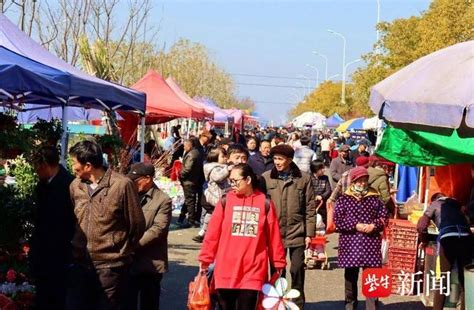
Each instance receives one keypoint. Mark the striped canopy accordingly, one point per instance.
(352, 124)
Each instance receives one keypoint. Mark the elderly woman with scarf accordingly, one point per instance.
(360, 217)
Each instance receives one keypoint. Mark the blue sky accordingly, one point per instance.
(276, 38)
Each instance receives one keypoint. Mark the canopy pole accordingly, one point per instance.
(64, 135)
(142, 138)
(427, 187)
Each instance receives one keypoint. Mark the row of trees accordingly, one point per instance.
(93, 34)
(446, 22)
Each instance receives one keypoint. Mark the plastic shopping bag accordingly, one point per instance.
(331, 226)
(198, 295)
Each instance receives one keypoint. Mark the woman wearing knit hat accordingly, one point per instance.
(360, 217)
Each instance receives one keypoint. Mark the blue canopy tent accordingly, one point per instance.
(79, 88)
(25, 79)
(334, 121)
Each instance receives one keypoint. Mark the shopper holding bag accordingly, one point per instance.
(242, 237)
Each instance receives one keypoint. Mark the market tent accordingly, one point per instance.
(334, 120)
(238, 116)
(352, 124)
(162, 102)
(21, 77)
(83, 89)
(206, 113)
(219, 115)
(314, 119)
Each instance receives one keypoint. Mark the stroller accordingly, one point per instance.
(315, 255)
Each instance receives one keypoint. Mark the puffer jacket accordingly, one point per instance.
(294, 204)
(110, 221)
(378, 180)
(216, 177)
(303, 157)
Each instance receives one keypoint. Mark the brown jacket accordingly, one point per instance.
(294, 204)
(110, 221)
(151, 256)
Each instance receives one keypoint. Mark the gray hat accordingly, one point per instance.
(141, 169)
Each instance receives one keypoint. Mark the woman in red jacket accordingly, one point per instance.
(242, 237)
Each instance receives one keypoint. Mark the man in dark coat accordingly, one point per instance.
(261, 161)
(150, 261)
(50, 252)
(292, 193)
(192, 180)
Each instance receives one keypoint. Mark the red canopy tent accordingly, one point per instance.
(208, 114)
(162, 105)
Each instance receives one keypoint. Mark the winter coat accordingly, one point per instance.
(192, 171)
(110, 221)
(303, 157)
(54, 226)
(294, 203)
(216, 177)
(151, 255)
(357, 249)
(260, 164)
(338, 167)
(241, 239)
(378, 180)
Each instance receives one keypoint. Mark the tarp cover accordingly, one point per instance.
(434, 90)
(219, 115)
(88, 88)
(420, 148)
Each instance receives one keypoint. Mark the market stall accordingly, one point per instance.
(334, 121)
(430, 125)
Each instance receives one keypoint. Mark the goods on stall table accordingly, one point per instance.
(172, 189)
(402, 252)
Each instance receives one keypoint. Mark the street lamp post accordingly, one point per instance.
(308, 82)
(325, 61)
(317, 73)
(343, 93)
(378, 19)
(302, 86)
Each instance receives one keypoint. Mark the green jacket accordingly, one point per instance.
(378, 180)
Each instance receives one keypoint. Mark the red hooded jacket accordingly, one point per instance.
(242, 238)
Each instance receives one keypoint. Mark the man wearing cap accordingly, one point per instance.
(341, 164)
(292, 193)
(360, 217)
(150, 261)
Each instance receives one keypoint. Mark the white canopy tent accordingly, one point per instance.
(314, 119)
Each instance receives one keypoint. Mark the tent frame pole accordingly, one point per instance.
(142, 138)
(64, 134)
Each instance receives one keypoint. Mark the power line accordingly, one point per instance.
(273, 76)
(274, 102)
(271, 85)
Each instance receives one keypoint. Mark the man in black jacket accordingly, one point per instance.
(192, 180)
(261, 161)
(50, 252)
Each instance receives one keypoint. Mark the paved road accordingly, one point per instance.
(324, 288)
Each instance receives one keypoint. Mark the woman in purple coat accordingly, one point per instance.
(360, 217)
